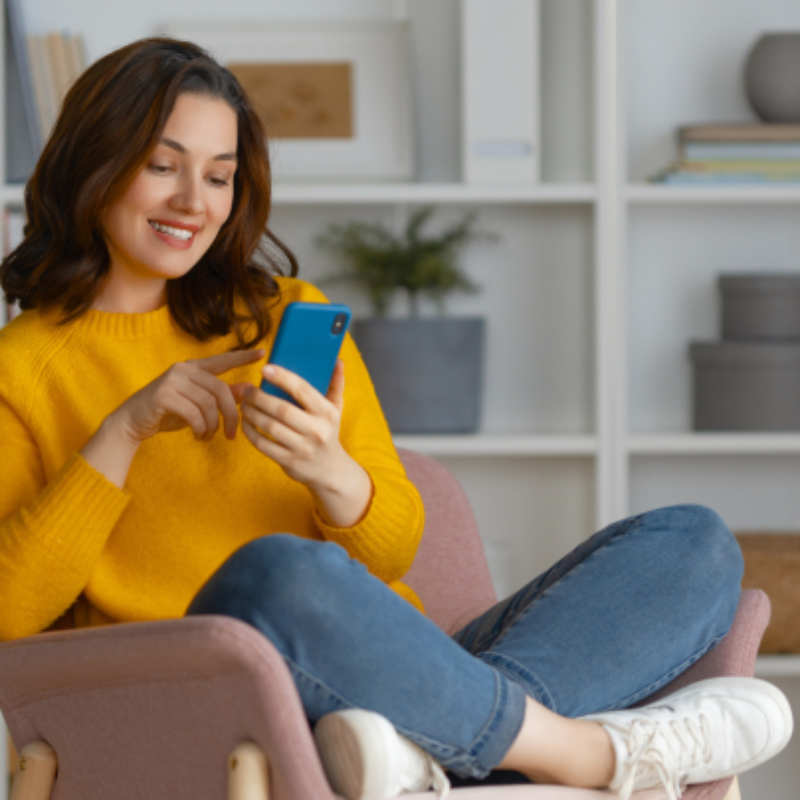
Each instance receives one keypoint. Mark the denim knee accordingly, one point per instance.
(274, 579)
(711, 559)
(710, 547)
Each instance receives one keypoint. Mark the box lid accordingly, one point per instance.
(768, 283)
(750, 353)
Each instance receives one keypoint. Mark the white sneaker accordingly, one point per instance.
(365, 758)
(710, 730)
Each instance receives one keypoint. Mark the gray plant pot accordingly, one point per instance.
(427, 372)
(772, 77)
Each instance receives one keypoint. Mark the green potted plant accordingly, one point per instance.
(427, 371)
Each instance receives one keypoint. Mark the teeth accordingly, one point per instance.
(178, 233)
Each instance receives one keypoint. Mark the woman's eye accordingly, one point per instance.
(219, 181)
(159, 169)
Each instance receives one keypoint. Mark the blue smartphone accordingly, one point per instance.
(307, 343)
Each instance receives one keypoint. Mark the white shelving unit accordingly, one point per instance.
(669, 195)
(599, 282)
(679, 67)
(500, 445)
(322, 194)
(713, 444)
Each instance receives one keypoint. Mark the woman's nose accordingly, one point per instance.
(189, 197)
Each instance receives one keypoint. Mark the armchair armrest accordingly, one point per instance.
(155, 709)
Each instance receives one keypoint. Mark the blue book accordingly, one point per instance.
(22, 71)
(679, 178)
(742, 151)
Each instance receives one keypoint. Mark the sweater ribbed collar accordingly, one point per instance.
(115, 325)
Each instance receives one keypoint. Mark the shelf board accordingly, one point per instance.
(12, 194)
(778, 666)
(714, 444)
(324, 193)
(285, 194)
(487, 445)
(646, 193)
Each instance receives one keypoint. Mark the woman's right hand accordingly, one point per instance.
(187, 394)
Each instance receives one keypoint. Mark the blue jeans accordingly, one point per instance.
(608, 625)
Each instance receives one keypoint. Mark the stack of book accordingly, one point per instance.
(42, 70)
(55, 61)
(725, 154)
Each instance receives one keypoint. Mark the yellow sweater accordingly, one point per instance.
(71, 538)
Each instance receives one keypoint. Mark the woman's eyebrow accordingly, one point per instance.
(171, 143)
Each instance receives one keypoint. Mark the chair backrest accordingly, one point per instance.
(450, 573)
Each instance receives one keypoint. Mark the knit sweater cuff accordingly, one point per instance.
(77, 497)
(387, 536)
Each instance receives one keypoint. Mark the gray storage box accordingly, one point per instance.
(763, 307)
(752, 386)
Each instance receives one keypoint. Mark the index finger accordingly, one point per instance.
(223, 362)
(307, 397)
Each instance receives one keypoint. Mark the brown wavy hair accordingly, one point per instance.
(111, 121)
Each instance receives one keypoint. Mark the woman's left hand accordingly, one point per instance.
(305, 441)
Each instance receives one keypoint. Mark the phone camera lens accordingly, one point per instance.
(338, 323)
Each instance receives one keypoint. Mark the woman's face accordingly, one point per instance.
(172, 211)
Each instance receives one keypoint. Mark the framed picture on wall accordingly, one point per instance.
(335, 97)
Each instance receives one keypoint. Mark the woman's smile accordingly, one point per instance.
(175, 234)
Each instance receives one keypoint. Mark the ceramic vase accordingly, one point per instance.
(772, 77)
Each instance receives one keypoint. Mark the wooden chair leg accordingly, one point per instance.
(733, 792)
(36, 772)
(248, 773)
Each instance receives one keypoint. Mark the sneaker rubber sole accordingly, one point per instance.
(354, 747)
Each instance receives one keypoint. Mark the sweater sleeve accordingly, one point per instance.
(388, 535)
(51, 533)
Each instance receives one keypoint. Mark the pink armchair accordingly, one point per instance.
(192, 709)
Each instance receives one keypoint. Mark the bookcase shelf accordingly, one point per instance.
(12, 194)
(714, 444)
(768, 195)
(500, 445)
(449, 193)
(393, 193)
(398, 193)
(787, 666)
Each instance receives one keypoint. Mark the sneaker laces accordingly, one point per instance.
(433, 776)
(670, 748)
(439, 781)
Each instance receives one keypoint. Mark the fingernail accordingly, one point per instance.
(269, 370)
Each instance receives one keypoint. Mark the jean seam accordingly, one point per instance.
(471, 760)
(623, 530)
(668, 676)
(531, 683)
(492, 724)
(466, 756)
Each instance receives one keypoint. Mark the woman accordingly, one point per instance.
(148, 310)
